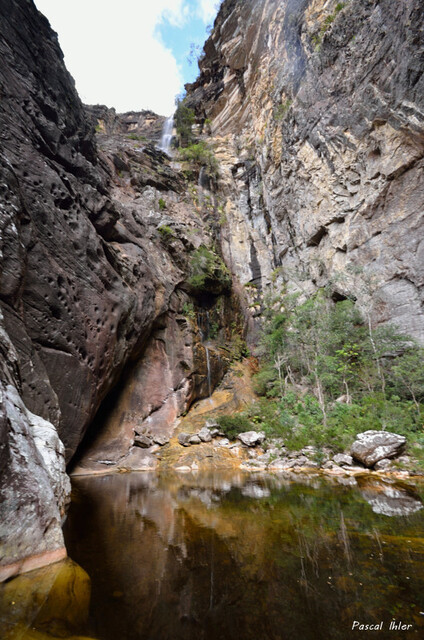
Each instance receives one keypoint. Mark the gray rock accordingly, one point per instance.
(372, 446)
(32, 492)
(251, 438)
(161, 439)
(212, 424)
(224, 442)
(383, 464)
(205, 435)
(343, 460)
(184, 439)
(195, 440)
(143, 441)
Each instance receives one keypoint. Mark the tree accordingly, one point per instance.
(407, 375)
(184, 119)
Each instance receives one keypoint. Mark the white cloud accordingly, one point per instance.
(207, 10)
(112, 52)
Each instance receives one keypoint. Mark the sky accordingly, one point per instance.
(130, 54)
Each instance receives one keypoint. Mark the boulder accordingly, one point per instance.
(184, 439)
(161, 439)
(205, 435)
(195, 439)
(251, 438)
(343, 460)
(372, 446)
(143, 441)
(383, 465)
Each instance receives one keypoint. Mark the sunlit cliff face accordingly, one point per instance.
(314, 109)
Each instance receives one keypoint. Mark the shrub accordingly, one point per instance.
(184, 119)
(162, 204)
(200, 155)
(231, 426)
(208, 273)
(166, 232)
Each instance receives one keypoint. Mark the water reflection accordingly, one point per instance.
(249, 557)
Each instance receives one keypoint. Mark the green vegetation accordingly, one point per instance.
(231, 426)
(317, 37)
(166, 232)
(282, 109)
(327, 375)
(162, 204)
(189, 311)
(184, 119)
(208, 273)
(200, 155)
(134, 136)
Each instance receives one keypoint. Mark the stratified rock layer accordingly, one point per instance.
(316, 110)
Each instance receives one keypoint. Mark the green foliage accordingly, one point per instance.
(200, 155)
(184, 119)
(134, 136)
(282, 109)
(162, 204)
(231, 426)
(166, 232)
(189, 311)
(208, 273)
(238, 347)
(317, 352)
(317, 37)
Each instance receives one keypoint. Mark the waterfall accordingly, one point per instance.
(208, 365)
(166, 138)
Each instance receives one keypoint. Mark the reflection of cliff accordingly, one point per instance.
(52, 602)
(233, 555)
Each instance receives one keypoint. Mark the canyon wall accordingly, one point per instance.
(316, 113)
(314, 110)
(96, 243)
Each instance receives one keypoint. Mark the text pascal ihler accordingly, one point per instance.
(393, 626)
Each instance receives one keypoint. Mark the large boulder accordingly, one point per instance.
(372, 446)
(205, 435)
(251, 438)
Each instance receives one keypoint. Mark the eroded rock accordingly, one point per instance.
(251, 438)
(343, 460)
(205, 435)
(372, 446)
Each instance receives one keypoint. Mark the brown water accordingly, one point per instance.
(233, 556)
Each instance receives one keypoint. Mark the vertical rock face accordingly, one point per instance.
(317, 114)
(94, 244)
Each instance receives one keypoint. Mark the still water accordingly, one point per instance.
(234, 556)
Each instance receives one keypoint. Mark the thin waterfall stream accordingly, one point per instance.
(208, 366)
(167, 135)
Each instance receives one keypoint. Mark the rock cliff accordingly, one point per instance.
(112, 286)
(96, 243)
(316, 113)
